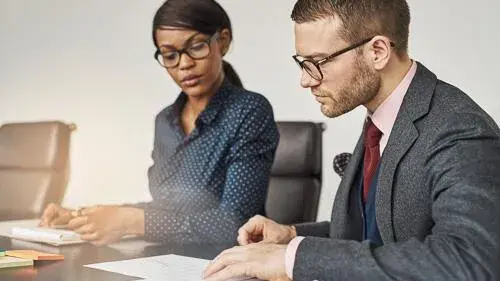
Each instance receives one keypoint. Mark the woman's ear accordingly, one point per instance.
(225, 40)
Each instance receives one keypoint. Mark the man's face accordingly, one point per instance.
(348, 80)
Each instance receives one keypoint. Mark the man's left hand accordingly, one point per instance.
(263, 261)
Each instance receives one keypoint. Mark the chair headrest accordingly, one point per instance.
(37, 145)
(299, 150)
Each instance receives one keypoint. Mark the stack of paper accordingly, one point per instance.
(6, 261)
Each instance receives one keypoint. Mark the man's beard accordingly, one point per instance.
(361, 88)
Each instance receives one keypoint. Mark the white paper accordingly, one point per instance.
(45, 233)
(7, 226)
(168, 267)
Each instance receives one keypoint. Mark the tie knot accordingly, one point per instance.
(372, 134)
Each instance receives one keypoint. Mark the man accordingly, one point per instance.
(420, 198)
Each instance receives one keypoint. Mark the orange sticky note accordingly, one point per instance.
(34, 255)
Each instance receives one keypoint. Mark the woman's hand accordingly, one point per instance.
(102, 225)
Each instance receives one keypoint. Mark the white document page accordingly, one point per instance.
(168, 267)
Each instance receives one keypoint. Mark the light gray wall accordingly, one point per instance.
(90, 62)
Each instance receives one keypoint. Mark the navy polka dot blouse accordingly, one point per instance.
(205, 185)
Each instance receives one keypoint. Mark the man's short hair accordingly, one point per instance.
(361, 19)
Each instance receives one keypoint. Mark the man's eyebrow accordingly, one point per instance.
(314, 55)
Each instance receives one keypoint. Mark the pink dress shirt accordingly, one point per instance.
(384, 118)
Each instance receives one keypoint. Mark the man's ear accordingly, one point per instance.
(225, 40)
(380, 51)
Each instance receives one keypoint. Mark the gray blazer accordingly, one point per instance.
(437, 201)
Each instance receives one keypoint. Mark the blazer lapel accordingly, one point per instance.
(341, 217)
(404, 133)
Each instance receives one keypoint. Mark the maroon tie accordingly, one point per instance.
(372, 155)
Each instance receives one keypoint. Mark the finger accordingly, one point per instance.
(243, 237)
(48, 214)
(233, 271)
(85, 229)
(253, 227)
(77, 222)
(62, 219)
(94, 236)
(89, 211)
(226, 258)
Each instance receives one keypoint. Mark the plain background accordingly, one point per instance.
(91, 62)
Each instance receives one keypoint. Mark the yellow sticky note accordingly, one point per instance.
(34, 255)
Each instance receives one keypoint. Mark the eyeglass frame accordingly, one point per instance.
(328, 58)
(184, 50)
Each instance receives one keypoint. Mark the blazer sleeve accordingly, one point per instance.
(317, 229)
(463, 245)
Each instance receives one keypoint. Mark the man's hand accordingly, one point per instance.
(55, 215)
(107, 224)
(263, 261)
(262, 229)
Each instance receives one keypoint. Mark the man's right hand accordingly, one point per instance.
(262, 229)
(55, 215)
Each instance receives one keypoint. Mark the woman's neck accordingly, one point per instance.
(195, 105)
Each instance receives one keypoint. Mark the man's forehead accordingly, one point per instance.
(316, 36)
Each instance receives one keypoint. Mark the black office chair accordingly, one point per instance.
(295, 184)
(34, 167)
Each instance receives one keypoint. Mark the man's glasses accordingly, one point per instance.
(312, 67)
(196, 51)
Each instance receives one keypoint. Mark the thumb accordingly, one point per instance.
(243, 237)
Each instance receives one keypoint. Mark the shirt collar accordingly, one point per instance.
(209, 113)
(385, 115)
(216, 103)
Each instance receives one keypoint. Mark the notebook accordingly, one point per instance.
(34, 255)
(33, 235)
(14, 262)
(41, 247)
(45, 235)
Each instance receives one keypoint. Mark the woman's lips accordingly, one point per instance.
(191, 80)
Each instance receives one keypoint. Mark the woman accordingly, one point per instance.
(214, 146)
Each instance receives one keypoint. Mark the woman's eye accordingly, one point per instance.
(170, 56)
(197, 46)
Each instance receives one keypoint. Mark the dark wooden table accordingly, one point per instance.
(71, 268)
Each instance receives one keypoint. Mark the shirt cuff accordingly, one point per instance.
(291, 250)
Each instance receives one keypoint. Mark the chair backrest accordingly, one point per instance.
(34, 167)
(295, 184)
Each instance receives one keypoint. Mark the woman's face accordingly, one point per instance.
(197, 75)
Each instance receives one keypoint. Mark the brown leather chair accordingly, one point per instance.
(295, 184)
(34, 167)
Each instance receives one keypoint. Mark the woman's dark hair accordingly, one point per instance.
(204, 16)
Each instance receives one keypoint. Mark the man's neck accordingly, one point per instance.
(391, 78)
